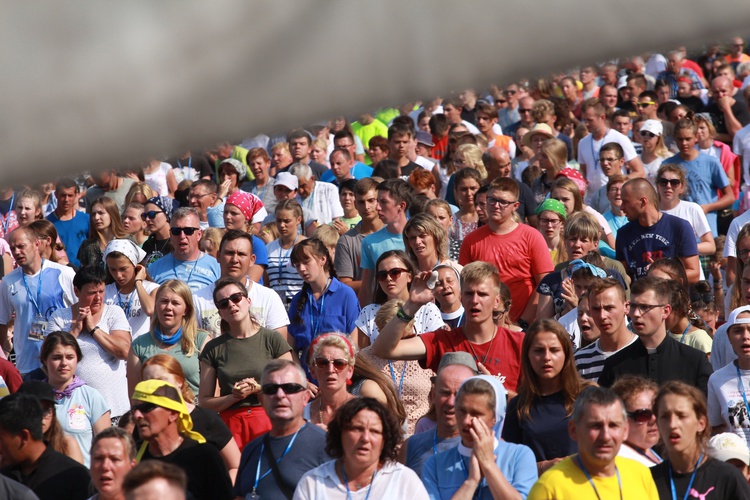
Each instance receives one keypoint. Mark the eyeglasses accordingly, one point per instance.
(646, 133)
(235, 298)
(151, 214)
(643, 308)
(273, 389)
(197, 196)
(145, 407)
(394, 273)
(706, 298)
(524, 110)
(549, 222)
(641, 416)
(607, 160)
(338, 364)
(645, 104)
(497, 201)
(669, 182)
(189, 231)
(511, 92)
(615, 189)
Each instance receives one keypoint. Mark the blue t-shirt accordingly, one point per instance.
(261, 255)
(359, 171)
(705, 176)
(376, 244)
(638, 246)
(420, 447)
(72, 233)
(444, 473)
(196, 273)
(335, 311)
(615, 222)
(77, 415)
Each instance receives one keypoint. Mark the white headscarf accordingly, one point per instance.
(128, 248)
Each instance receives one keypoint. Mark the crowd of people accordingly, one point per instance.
(538, 291)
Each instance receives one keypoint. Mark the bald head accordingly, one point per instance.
(497, 162)
(641, 188)
(721, 86)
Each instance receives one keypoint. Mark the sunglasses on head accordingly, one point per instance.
(235, 298)
(641, 416)
(394, 273)
(273, 389)
(706, 298)
(145, 407)
(338, 364)
(669, 182)
(189, 231)
(151, 214)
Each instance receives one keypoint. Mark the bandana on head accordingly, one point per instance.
(248, 203)
(238, 166)
(166, 204)
(145, 390)
(552, 205)
(128, 248)
(579, 264)
(575, 176)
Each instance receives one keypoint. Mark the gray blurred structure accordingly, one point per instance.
(91, 85)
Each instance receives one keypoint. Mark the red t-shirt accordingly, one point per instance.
(10, 375)
(503, 359)
(518, 255)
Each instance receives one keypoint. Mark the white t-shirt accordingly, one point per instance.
(725, 402)
(741, 147)
(569, 321)
(158, 179)
(427, 319)
(588, 154)
(323, 202)
(265, 304)
(651, 169)
(130, 303)
(693, 213)
(730, 245)
(100, 369)
(393, 480)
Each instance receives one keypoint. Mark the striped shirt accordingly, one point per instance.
(590, 359)
(282, 276)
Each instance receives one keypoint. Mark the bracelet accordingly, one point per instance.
(401, 314)
(138, 281)
(94, 329)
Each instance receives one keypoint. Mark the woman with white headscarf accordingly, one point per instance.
(481, 466)
(132, 290)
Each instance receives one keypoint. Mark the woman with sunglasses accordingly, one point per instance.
(81, 409)
(324, 304)
(235, 360)
(538, 416)
(244, 212)
(174, 331)
(671, 184)
(682, 418)
(654, 151)
(638, 395)
(132, 288)
(106, 225)
(282, 276)
(157, 214)
(205, 422)
(332, 358)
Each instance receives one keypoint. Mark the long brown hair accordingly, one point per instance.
(738, 299)
(115, 224)
(529, 392)
(364, 369)
(174, 367)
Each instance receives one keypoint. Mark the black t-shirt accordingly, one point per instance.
(56, 477)
(207, 476)
(526, 201)
(155, 249)
(407, 169)
(695, 104)
(211, 426)
(714, 479)
(198, 163)
(740, 110)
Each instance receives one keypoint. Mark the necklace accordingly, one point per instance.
(474, 353)
(358, 486)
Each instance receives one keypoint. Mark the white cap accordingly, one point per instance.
(622, 82)
(653, 126)
(288, 180)
(728, 445)
(734, 320)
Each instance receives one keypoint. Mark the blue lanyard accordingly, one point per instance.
(38, 299)
(322, 307)
(742, 389)
(346, 482)
(642, 452)
(434, 443)
(393, 376)
(126, 307)
(182, 169)
(285, 256)
(6, 220)
(259, 192)
(174, 268)
(591, 481)
(687, 329)
(595, 153)
(690, 484)
(258, 477)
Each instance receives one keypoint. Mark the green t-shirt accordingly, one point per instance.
(145, 347)
(235, 359)
(367, 132)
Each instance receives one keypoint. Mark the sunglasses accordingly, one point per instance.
(273, 389)
(151, 214)
(394, 273)
(669, 182)
(189, 231)
(706, 298)
(338, 364)
(645, 133)
(524, 110)
(645, 104)
(641, 416)
(145, 407)
(236, 298)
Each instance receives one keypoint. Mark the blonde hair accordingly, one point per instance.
(327, 235)
(334, 339)
(139, 188)
(211, 239)
(473, 157)
(33, 196)
(189, 324)
(386, 313)
(479, 272)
